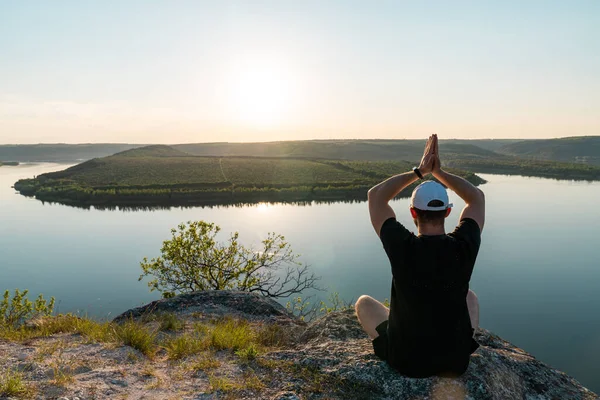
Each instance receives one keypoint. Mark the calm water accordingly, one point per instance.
(537, 274)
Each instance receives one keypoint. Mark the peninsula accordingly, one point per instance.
(163, 176)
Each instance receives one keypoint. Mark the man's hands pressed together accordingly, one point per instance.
(380, 195)
(429, 156)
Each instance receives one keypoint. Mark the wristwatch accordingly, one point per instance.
(416, 171)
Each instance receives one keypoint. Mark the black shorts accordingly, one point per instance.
(380, 343)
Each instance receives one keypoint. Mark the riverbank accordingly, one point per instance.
(235, 345)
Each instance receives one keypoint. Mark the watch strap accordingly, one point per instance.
(416, 171)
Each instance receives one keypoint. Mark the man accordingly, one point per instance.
(429, 327)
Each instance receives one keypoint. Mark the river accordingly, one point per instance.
(537, 275)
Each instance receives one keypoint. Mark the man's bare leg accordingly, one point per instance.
(370, 314)
(473, 306)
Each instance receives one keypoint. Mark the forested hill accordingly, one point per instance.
(60, 152)
(164, 176)
(582, 149)
(370, 150)
(575, 150)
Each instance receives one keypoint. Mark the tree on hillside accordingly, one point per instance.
(194, 260)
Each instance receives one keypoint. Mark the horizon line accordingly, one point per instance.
(281, 141)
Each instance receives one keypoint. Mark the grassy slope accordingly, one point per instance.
(583, 149)
(60, 152)
(372, 150)
(162, 175)
(346, 149)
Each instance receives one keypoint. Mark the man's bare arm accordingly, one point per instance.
(380, 195)
(474, 197)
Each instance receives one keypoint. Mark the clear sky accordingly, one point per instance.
(202, 71)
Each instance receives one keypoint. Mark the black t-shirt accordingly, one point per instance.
(429, 329)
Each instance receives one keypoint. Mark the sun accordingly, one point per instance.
(260, 93)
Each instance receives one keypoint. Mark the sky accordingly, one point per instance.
(210, 71)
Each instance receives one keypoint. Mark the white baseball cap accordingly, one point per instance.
(428, 192)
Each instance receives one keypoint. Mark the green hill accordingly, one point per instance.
(161, 175)
(372, 150)
(60, 152)
(582, 149)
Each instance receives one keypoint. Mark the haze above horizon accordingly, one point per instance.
(199, 71)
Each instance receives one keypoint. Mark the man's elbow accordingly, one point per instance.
(481, 194)
(372, 193)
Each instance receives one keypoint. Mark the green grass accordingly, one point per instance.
(205, 362)
(170, 322)
(249, 353)
(184, 346)
(12, 384)
(136, 335)
(286, 172)
(232, 334)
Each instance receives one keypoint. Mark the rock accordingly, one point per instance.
(215, 304)
(118, 382)
(82, 369)
(286, 396)
(22, 356)
(336, 346)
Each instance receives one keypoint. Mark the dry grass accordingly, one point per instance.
(205, 363)
(232, 334)
(184, 345)
(136, 335)
(12, 384)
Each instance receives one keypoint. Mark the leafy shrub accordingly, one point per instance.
(13, 312)
(194, 260)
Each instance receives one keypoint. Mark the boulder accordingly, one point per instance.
(335, 344)
(216, 304)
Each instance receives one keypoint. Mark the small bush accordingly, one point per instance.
(134, 334)
(184, 346)
(12, 385)
(14, 311)
(248, 354)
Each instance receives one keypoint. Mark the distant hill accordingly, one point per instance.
(487, 144)
(158, 150)
(374, 150)
(582, 149)
(371, 150)
(60, 152)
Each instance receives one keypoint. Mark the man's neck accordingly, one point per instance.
(431, 230)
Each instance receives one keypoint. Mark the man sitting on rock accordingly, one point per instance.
(429, 327)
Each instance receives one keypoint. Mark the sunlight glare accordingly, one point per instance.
(260, 93)
(263, 207)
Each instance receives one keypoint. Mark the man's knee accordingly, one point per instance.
(363, 301)
(472, 298)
